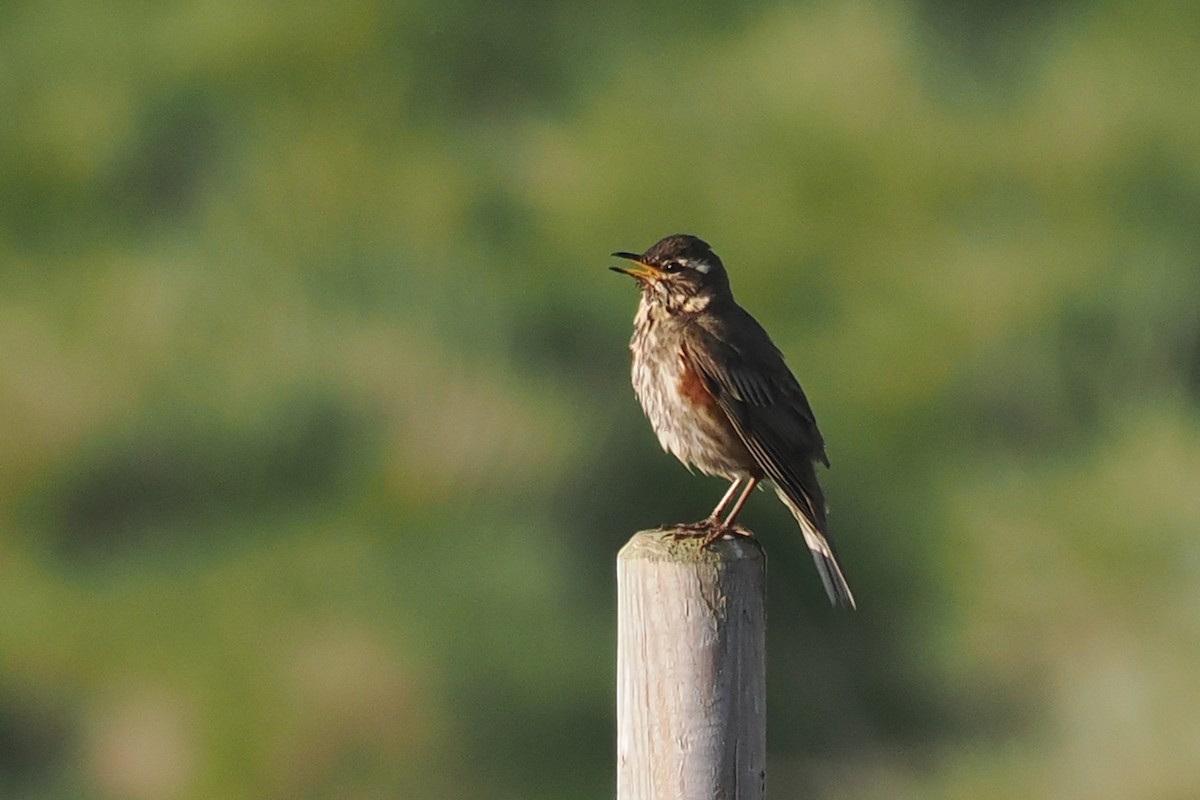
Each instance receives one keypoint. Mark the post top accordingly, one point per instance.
(661, 544)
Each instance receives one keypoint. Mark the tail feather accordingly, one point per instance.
(823, 556)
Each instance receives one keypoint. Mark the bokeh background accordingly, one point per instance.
(316, 437)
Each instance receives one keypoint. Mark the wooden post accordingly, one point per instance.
(691, 669)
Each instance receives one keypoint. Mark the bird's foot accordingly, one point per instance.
(710, 529)
(686, 530)
(721, 531)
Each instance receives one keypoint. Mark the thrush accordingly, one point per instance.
(720, 397)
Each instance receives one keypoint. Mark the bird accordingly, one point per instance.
(721, 399)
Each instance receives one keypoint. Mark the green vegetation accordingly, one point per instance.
(316, 438)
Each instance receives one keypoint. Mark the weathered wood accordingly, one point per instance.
(691, 669)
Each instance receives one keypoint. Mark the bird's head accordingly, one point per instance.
(679, 272)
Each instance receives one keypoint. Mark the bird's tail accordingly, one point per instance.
(823, 555)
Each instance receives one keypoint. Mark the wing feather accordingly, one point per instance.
(773, 418)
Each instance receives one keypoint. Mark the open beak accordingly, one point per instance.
(641, 270)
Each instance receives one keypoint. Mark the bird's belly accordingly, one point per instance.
(687, 419)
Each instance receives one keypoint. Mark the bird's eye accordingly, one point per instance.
(672, 266)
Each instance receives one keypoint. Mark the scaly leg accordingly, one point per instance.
(727, 524)
(715, 516)
(741, 501)
(712, 522)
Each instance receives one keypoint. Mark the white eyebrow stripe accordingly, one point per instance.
(700, 266)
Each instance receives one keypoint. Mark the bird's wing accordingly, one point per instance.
(771, 415)
(768, 410)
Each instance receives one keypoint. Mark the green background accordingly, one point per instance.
(317, 442)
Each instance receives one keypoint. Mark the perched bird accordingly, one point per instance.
(720, 397)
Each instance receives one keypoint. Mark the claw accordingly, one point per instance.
(709, 529)
(733, 530)
(687, 530)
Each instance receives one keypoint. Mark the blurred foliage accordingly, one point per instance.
(317, 437)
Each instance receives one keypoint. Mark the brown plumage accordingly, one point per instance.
(720, 397)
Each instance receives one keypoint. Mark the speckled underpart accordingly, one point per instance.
(700, 435)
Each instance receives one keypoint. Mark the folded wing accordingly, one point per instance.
(772, 416)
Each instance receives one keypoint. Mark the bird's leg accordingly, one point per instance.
(713, 526)
(727, 524)
(741, 501)
(715, 516)
(713, 521)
